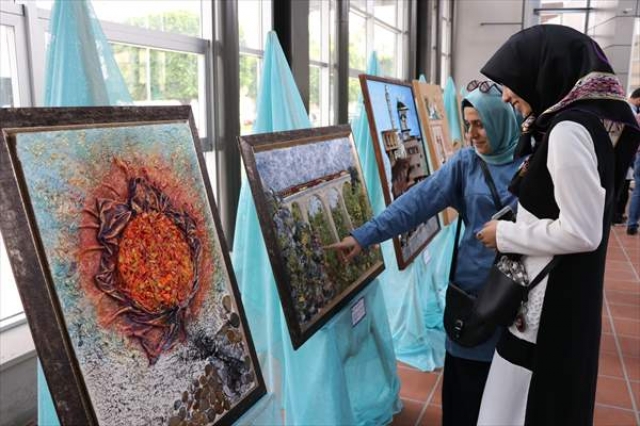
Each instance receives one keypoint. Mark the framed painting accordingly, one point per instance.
(431, 110)
(309, 192)
(400, 152)
(117, 250)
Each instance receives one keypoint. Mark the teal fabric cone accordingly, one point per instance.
(343, 374)
(81, 69)
(454, 115)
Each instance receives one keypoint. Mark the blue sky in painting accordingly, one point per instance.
(282, 168)
(397, 93)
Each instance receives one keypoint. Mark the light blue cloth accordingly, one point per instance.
(84, 73)
(453, 113)
(500, 123)
(81, 69)
(415, 296)
(343, 374)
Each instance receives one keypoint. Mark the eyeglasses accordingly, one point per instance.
(484, 86)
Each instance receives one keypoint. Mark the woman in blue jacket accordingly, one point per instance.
(493, 130)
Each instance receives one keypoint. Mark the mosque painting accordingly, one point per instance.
(400, 152)
(309, 193)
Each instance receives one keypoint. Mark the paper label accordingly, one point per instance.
(358, 312)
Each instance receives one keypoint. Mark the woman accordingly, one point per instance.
(580, 134)
(459, 183)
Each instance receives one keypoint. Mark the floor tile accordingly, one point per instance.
(635, 389)
(630, 346)
(437, 395)
(622, 285)
(625, 311)
(623, 298)
(627, 327)
(617, 265)
(415, 384)
(401, 364)
(632, 365)
(608, 344)
(432, 416)
(613, 392)
(609, 416)
(610, 365)
(626, 274)
(409, 414)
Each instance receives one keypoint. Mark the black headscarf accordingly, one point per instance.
(543, 64)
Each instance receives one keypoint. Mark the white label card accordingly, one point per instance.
(358, 312)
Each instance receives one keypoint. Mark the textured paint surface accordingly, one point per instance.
(66, 171)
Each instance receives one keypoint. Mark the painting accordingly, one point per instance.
(431, 110)
(119, 257)
(400, 152)
(309, 192)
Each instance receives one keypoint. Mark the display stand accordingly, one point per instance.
(414, 297)
(345, 373)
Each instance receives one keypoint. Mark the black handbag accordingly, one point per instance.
(470, 319)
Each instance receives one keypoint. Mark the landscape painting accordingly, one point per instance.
(309, 192)
(400, 151)
(126, 281)
(430, 103)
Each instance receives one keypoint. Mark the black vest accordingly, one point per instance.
(565, 369)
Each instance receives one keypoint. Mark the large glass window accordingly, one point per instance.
(10, 306)
(172, 16)
(381, 26)
(634, 71)
(322, 18)
(564, 12)
(162, 77)
(254, 22)
(446, 28)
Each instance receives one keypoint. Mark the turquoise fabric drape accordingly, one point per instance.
(81, 71)
(343, 374)
(452, 111)
(414, 297)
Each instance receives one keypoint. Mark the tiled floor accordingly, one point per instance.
(618, 393)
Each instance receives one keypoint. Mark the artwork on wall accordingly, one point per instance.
(309, 192)
(122, 268)
(400, 152)
(431, 110)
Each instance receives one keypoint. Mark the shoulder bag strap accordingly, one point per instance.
(542, 274)
(454, 257)
(491, 185)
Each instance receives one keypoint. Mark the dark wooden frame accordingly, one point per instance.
(30, 265)
(386, 191)
(421, 91)
(249, 145)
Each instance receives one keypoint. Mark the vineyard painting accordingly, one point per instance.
(310, 193)
(144, 307)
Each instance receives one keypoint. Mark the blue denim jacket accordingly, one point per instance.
(460, 184)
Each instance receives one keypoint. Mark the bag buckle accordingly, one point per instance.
(457, 327)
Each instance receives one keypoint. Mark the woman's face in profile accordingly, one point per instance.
(476, 131)
(516, 101)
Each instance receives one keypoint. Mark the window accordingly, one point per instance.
(171, 16)
(381, 26)
(634, 72)
(159, 47)
(446, 29)
(10, 305)
(322, 70)
(254, 22)
(571, 13)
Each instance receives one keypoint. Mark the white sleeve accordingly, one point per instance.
(573, 166)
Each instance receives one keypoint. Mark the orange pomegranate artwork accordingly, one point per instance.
(150, 259)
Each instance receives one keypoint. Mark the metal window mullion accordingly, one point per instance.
(35, 38)
(17, 23)
(342, 61)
